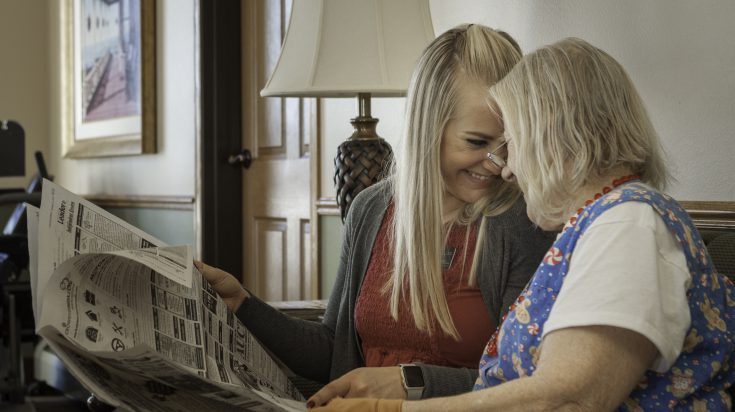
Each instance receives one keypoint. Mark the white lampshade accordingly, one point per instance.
(338, 48)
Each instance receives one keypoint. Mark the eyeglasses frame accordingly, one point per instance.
(494, 158)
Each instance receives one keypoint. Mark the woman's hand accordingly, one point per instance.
(382, 382)
(361, 405)
(226, 285)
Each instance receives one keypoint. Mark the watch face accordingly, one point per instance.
(414, 377)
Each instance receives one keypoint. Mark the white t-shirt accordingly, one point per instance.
(628, 271)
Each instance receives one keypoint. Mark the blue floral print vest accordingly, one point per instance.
(704, 371)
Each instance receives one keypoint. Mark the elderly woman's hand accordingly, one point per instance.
(384, 382)
(361, 405)
(226, 285)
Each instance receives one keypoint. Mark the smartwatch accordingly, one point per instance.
(413, 381)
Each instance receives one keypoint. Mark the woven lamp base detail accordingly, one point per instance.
(359, 163)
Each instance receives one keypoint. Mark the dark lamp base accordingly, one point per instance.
(359, 163)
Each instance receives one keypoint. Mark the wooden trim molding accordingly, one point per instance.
(315, 159)
(143, 202)
(706, 214)
(303, 309)
(327, 206)
(711, 214)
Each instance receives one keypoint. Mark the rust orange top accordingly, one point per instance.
(388, 342)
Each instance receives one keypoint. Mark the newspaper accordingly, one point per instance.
(135, 322)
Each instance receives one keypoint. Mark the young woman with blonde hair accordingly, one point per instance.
(626, 311)
(431, 256)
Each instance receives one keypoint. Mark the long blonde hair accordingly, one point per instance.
(574, 116)
(472, 52)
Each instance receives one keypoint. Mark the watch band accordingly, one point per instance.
(413, 381)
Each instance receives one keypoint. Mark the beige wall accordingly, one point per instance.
(30, 92)
(169, 172)
(24, 77)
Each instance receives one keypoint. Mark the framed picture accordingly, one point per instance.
(109, 77)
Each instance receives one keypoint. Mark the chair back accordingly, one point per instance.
(722, 251)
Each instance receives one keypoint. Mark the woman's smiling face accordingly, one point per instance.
(472, 132)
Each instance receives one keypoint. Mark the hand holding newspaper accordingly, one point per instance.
(134, 321)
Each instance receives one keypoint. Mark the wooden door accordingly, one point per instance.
(277, 217)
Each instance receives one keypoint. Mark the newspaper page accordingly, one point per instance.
(69, 225)
(32, 213)
(140, 380)
(143, 315)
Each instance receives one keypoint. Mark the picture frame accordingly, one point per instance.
(108, 63)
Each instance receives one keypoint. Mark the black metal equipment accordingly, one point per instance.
(17, 330)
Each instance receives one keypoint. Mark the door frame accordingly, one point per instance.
(219, 184)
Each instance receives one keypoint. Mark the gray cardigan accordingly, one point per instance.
(324, 351)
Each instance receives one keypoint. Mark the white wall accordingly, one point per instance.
(24, 72)
(679, 53)
(169, 172)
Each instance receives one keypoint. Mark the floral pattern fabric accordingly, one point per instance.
(700, 378)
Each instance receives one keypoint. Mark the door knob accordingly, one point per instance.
(245, 158)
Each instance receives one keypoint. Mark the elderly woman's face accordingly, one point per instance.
(472, 132)
(509, 175)
(503, 159)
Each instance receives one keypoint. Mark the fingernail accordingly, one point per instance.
(198, 264)
(310, 404)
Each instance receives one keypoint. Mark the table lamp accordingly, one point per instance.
(352, 48)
